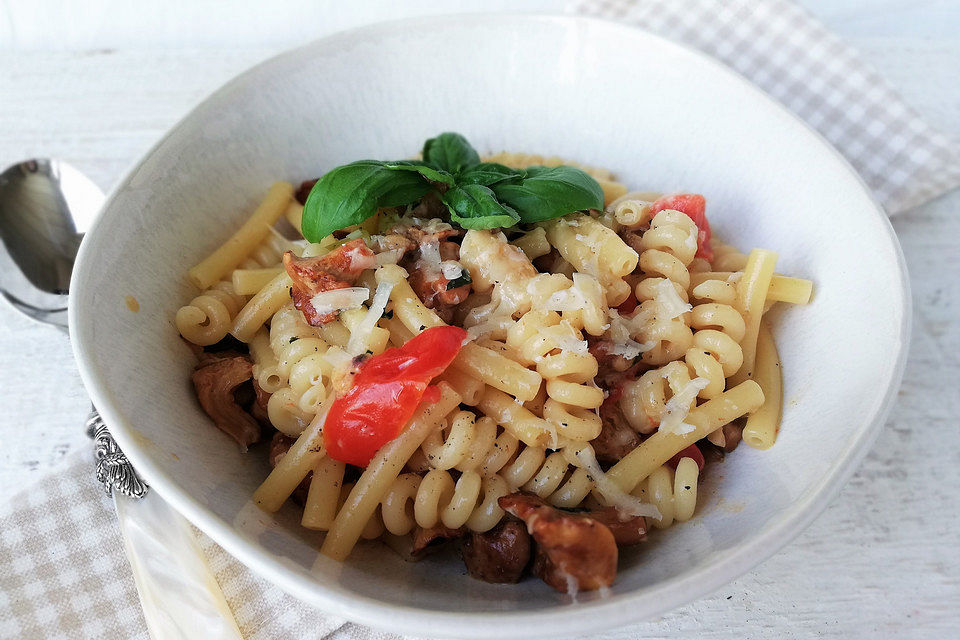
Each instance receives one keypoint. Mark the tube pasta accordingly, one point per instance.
(533, 243)
(249, 281)
(581, 240)
(760, 431)
(324, 495)
(782, 288)
(261, 307)
(751, 296)
(241, 243)
(661, 446)
(293, 467)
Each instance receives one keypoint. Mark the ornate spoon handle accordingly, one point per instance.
(178, 592)
(114, 471)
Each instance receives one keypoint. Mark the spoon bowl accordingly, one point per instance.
(45, 207)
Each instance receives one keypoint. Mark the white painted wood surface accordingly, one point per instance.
(884, 559)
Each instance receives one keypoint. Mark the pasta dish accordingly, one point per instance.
(515, 357)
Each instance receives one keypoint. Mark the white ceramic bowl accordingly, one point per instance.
(662, 117)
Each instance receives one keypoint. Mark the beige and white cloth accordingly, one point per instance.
(63, 573)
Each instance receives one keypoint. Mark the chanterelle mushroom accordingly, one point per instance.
(574, 552)
(215, 382)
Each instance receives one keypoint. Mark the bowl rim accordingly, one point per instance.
(609, 612)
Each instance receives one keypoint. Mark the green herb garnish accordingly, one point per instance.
(478, 195)
(463, 279)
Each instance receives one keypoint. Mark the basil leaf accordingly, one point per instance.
(430, 173)
(463, 279)
(450, 151)
(353, 192)
(474, 206)
(488, 173)
(550, 192)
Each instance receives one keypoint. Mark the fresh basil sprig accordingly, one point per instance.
(478, 195)
(450, 151)
(544, 193)
(351, 193)
(474, 206)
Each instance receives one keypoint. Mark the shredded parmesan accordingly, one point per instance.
(736, 276)
(451, 269)
(339, 299)
(360, 335)
(677, 408)
(430, 252)
(626, 504)
(564, 300)
(389, 257)
(630, 348)
(493, 323)
(571, 344)
(360, 260)
(671, 304)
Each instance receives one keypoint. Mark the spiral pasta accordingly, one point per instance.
(673, 493)
(207, 318)
(560, 355)
(718, 329)
(668, 246)
(644, 400)
(471, 445)
(297, 369)
(436, 498)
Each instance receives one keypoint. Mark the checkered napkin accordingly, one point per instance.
(779, 47)
(63, 573)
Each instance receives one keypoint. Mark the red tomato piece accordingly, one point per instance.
(386, 390)
(690, 452)
(695, 206)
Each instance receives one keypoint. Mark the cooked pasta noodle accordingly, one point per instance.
(599, 355)
(673, 493)
(209, 316)
(761, 428)
(232, 252)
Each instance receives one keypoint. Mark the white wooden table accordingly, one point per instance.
(884, 559)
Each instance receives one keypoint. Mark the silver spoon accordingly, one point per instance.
(45, 208)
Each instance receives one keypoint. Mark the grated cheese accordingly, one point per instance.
(626, 504)
(630, 348)
(389, 257)
(360, 336)
(677, 408)
(339, 299)
(430, 253)
(669, 300)
(564, 300)
(451, 269)
(359, 260)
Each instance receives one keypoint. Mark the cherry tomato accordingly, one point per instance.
(387, 389)
(690, 452)
(695, 206)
